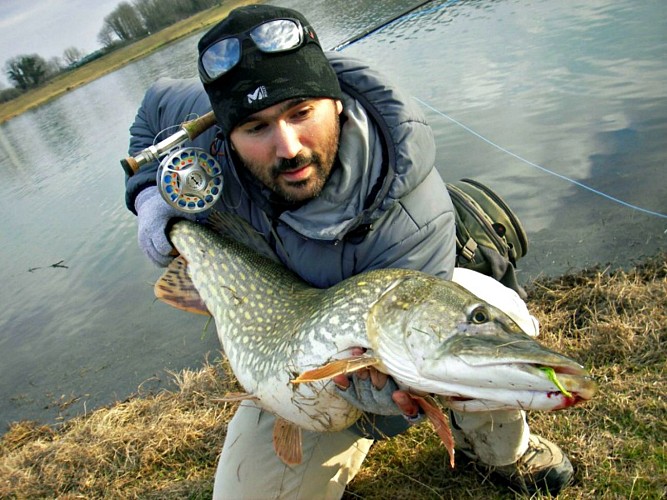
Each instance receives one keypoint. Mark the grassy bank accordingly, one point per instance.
(71, 80)
(165, 445)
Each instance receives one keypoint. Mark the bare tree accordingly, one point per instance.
(125, 22)
(155, 14)
(53, 66)
(105, 36)
(72, 55)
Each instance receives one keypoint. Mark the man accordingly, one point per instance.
(335, 167)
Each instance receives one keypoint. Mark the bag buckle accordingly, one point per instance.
(468, 250)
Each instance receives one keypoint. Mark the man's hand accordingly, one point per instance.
(154, 214)
(375, 392)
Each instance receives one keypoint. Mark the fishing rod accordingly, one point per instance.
(382, 25)
(188, 131)
(189, 179)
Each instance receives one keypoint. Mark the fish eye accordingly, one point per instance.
(479, 315)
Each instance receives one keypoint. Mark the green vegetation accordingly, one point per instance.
(70, 80)
(166, 445)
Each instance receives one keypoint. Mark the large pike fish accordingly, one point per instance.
(285, 339)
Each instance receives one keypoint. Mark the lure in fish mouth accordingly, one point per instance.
(284, 339)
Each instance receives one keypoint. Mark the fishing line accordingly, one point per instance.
(539, 167)
(408, 14)
(164, 131)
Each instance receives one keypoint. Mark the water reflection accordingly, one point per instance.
(9, 153)
(574, 87)
(75, 333)
(539, 85)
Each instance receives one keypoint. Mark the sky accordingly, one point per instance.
(48, 27)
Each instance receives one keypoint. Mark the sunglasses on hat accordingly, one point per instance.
(274, 36)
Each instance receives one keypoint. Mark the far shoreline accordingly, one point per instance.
(71, 80)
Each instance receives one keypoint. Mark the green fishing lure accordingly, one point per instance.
(551, 375)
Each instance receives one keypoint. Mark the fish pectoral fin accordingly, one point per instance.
(287, 441)
(176, 288)
(439, 422)
(336, 367)
(232, 397)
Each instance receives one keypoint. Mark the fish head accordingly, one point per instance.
(435, 336)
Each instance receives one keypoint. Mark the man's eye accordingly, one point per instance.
(302, 113)
(255, 128)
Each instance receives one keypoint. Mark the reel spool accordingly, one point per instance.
(190, 180)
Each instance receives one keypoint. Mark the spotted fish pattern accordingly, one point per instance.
(431, 335)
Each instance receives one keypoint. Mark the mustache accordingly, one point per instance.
(299, 161)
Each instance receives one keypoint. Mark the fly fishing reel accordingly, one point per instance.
(190, 179)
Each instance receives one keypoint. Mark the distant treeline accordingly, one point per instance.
(127, 23)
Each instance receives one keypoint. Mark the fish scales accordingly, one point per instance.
(266, 316)
(430, 335)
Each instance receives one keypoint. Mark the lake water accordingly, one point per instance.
(545, 101)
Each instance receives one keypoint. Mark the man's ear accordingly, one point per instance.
(339, 106)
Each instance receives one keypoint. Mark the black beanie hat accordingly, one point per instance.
(260, 79)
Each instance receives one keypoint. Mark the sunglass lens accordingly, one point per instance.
(277, 35)
(221, 57)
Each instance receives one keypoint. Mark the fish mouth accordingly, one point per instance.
(519, 386)
(574, 382)
(478, 373)
(566, 386)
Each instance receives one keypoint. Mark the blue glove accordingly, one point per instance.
(365, 396)
(153, 215)
(384, 418)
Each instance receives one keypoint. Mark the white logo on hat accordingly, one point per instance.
(259, 94)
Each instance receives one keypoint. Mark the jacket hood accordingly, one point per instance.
(386, 149)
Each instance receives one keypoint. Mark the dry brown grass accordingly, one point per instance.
(165, 446)
(162, 446)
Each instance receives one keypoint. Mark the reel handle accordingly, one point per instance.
(189, 130)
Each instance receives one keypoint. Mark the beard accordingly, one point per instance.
(321, 161)
(311, 187)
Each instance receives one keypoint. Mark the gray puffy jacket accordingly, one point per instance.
(392, 213)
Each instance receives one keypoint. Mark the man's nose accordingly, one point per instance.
(287, 141)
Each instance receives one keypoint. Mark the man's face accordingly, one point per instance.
(291, 146)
